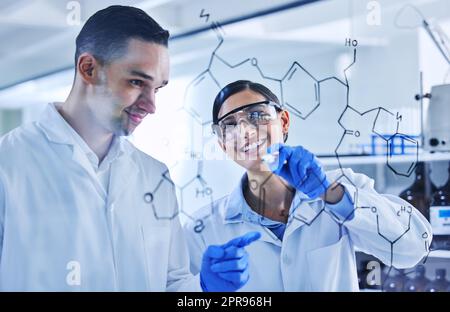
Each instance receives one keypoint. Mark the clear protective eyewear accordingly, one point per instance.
(255, 114)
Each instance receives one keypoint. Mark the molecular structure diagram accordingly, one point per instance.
(196, 189)
(192, 192)
(296, 75)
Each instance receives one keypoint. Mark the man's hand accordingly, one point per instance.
(300, 168)
(225, 267)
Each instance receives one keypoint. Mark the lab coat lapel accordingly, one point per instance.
(233, 214)
(123, 171)
(81, 159)
(268, 236)
(52, 125)
(304, 213)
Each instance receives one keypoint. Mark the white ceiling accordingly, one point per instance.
(36, 38)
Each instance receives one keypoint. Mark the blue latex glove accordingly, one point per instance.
(225, 267)
(300, 168)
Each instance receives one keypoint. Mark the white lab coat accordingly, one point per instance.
(316, 254)
(59, 231)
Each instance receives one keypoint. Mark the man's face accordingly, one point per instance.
(127, 87)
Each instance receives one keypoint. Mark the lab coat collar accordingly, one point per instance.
(235, 206)
(58, 131)
(303, 210)
(54, 126)
(122, 172)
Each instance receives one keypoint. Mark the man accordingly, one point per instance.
(72, 208)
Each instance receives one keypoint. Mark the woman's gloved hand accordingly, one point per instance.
(225, 267)
(300, 168)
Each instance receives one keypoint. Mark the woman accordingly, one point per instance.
(311, 221)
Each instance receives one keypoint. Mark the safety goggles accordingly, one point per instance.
(254, 114)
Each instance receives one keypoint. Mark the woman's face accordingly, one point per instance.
(248, 143)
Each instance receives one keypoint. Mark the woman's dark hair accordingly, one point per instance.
(238, 86)
(106, 33)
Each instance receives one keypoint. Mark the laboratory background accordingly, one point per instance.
(367, 84)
